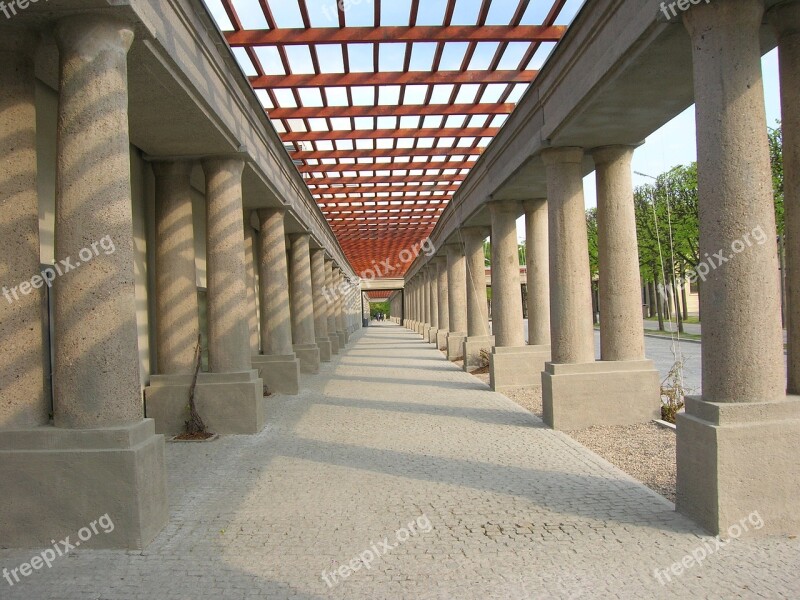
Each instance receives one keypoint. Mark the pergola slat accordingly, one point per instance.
(419, 33)
(433, 179)
(264, 82)
(445, 110)
(377, 134)
(376, 217)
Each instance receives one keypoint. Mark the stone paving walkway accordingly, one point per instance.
(388, 435)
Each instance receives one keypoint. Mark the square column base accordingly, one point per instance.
(517, 366)
(737, 461)
(576, 396)
(325, 349)
(455, 345)
(59, 481)
(426, 332)
(343, 339)
(334, 340)
(309, 358)
(431, 339)
(441, 339)
(281, 374)
(228, 403)
(472, 350)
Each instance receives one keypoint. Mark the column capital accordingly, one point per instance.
(93, 34)
(701, 19)
(534, 204)
(299, 235)
(608, 154)
(172, 168)
(508, 206)
(475, 231)
(785, 18)
(265, 213)
(561, 155)
(215, 164)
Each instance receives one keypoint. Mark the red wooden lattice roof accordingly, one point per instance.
(383, 147)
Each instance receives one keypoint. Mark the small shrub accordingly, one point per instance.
(673, 392)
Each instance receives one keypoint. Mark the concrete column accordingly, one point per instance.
(507, 322)
(330, 306)
(115, 462)
(621, 323)
(320, 301)
(440, 264)
(230, 397)
(228, 330)
(740, 440)
(341, 329)
(22, 382)
(96, 375)
(276, 326)
(478, 337)
(250, 273)
(305, 345)
(572, 333)
(433, 288)
(419, 285)
(742, 363)
(477, 304)
(457, 300)
(511, 363)
(425, 292)
(412, 303)
(538, 272)
(786, 19)
(570, 382)
(177, 317)
(278, 365)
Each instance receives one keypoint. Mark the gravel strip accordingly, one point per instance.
(528, 398)
(646, 452)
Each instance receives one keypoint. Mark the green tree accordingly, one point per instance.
(776, 160)
(591, 231)
(379, 307)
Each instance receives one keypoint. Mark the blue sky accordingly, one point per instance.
(673, 144)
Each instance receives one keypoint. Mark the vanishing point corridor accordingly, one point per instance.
(391, 433)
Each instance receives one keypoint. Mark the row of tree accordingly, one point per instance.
(667, 225)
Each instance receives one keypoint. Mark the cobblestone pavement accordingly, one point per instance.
(391, 434)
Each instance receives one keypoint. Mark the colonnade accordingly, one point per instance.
(277, 304)
(737, 442)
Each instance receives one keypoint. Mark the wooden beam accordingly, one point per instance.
(388, 179)
(411, 166)
(396, 153)
(320, 80)
(361, 35)
(413, 110)
(375, 134)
